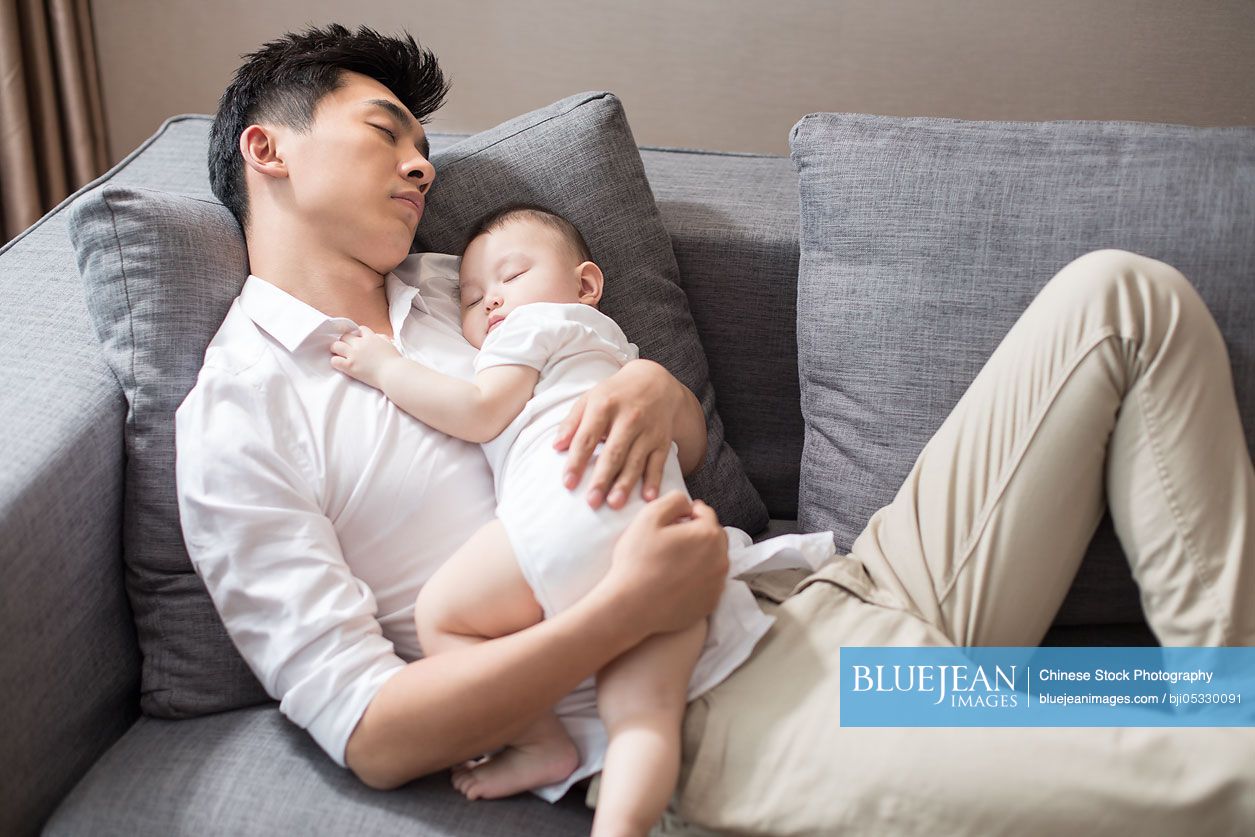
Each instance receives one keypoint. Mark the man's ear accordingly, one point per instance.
(259, 148)
(591, 283)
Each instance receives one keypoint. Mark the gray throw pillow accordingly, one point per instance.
(923, 240)
(577, 157)
(160, 271)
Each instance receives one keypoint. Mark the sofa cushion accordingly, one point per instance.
(578, 158)
(733, 225)
(160, 270)
(251, 772)
(922, 241)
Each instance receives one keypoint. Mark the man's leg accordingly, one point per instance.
(1115, 374)
(1115, 377)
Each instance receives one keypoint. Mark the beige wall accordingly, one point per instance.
(728, 74)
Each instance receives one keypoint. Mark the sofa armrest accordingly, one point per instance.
(69, 669)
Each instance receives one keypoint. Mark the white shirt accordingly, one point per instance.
(312, 507)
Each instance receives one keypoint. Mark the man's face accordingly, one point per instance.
(515, 264)
(360, 175)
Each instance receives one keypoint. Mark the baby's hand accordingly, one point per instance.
(364, 355)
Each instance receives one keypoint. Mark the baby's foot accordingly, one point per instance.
(517, 768)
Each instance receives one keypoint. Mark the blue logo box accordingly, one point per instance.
(1047, 687)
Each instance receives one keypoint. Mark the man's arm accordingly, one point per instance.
(638, 412)
(688, 429)
(306, 625)
(270, 558)
(667, 572)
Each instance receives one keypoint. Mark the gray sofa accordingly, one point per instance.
(80, 758)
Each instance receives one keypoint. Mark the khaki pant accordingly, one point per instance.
(1114, 388)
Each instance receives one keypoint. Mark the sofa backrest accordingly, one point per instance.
(733, 221)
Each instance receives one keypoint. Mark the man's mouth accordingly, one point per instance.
(412, 199)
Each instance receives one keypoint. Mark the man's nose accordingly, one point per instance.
(420, 172)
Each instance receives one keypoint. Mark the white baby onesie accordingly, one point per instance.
(562, 546)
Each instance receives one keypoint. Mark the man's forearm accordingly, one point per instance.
(442, 710)
(689, 431)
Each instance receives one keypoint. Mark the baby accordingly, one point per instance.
(528, 292)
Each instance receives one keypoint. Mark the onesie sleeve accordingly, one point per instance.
(542, 333)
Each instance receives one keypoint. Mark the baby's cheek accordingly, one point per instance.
(473, 335)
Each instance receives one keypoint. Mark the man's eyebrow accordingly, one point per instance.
(402, 118)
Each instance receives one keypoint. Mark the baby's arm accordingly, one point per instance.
(475, 411)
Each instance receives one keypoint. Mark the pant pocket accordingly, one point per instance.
(850, 575)
(775, 585)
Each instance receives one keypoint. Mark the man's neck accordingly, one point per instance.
(335, 284)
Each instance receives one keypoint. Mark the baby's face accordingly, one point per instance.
(516, 264)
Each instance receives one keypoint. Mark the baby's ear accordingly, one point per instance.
(591, 283)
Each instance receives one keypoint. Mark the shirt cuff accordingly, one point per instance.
(334, 724)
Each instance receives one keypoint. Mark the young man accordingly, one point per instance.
(303, 497)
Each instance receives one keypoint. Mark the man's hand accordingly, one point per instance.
(636, 412)
(669, 566)
(364, 355)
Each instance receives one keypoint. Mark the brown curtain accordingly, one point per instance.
(52, 125)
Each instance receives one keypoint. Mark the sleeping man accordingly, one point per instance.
(314, 509)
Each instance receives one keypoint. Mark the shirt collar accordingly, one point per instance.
(402, 295)
(292, 322)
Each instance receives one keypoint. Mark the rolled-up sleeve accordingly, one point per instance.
(271, 560)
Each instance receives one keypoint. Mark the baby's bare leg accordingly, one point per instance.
(478, 594)
(641, 698)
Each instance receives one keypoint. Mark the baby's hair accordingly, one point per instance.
(532, 212)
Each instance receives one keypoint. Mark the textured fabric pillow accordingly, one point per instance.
(578, 158)
(160, 271)
(923, 240)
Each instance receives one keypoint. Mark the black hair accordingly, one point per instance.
(284, 81)
(533, 212)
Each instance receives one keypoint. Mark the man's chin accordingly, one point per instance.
(390, 258)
